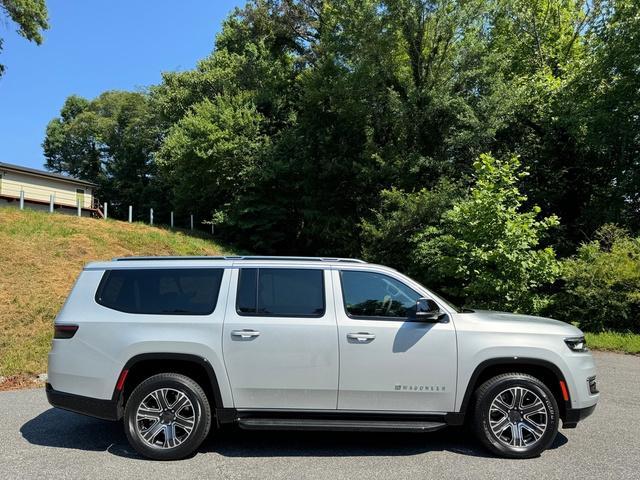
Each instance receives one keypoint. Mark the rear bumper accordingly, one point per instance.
(574, 415)
(93, 407)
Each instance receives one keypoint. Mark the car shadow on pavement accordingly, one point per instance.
(233, 442)
(60, 429)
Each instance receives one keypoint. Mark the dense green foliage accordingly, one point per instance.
(602, 283)
(393, 232)
(31, 17)
(486, 250)
(481, 247)
(359, 127)
(112, 141)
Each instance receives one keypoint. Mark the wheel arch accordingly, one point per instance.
(543, 370)
(141, 366)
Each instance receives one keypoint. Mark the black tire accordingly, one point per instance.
(198, 411)
(504, 446)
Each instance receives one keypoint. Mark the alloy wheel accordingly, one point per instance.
(165, 418)
(518, 417)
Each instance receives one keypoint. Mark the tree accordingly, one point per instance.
(222, 115)
(360, 116)
(604, 103)
(392, 234)
(31, 17)
(486, 250)
(211, 153)
(323, 126)
(72, 143)
(112, 141)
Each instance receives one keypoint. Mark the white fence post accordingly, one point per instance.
(192, 221)
(79, 207)
(151, 216)
(130, 213)
(51, 202)
(171, 219)
(21, 199)
(106, 210)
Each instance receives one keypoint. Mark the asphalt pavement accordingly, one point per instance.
(38, 441)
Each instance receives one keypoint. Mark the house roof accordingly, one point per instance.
(42, 173)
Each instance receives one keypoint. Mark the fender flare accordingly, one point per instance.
(143, 357)
(516, 361)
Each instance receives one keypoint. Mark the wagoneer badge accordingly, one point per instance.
(421, 388)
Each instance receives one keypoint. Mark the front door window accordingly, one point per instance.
(374, 295)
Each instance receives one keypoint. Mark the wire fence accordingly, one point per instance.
(159, 217)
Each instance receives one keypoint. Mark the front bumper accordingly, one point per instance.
(93, 407)
(574, 415)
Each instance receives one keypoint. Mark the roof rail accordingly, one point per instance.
(244, 257)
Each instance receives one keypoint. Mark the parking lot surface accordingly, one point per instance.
(41, 442)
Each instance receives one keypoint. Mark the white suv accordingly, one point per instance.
(176, 345)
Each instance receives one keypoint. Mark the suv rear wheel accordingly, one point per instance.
(167, 417)
(516, 415)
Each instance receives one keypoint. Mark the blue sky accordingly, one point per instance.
(93, 46)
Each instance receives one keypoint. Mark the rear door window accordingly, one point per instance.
(283, 292)
(176, 291)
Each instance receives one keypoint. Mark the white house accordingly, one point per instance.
(39, 189)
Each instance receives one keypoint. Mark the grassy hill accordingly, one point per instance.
(41, 255)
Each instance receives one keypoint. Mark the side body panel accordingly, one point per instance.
(89, 363)
(482, 338)
(407, 366)
(291, 364)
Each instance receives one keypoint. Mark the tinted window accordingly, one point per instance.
(368, 294)
(280, 292)
(246, 301)
(161, 291)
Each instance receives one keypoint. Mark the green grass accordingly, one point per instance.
(41, 255)
(614, 341)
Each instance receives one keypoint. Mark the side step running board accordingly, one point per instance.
(339, 425)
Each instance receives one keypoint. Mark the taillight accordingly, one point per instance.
(64, 331)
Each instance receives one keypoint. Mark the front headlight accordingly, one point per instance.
(576, 344)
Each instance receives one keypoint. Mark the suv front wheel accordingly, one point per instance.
(167, 417)
(516, 415)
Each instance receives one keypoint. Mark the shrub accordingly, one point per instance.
(486, 250)
(601, 288)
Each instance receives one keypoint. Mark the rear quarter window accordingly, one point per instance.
(176, 291)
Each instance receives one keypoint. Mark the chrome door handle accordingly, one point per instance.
(361, 336)
(245, 333)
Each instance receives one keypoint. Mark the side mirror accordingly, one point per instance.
(427, 311)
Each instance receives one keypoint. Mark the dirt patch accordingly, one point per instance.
(19, 382)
